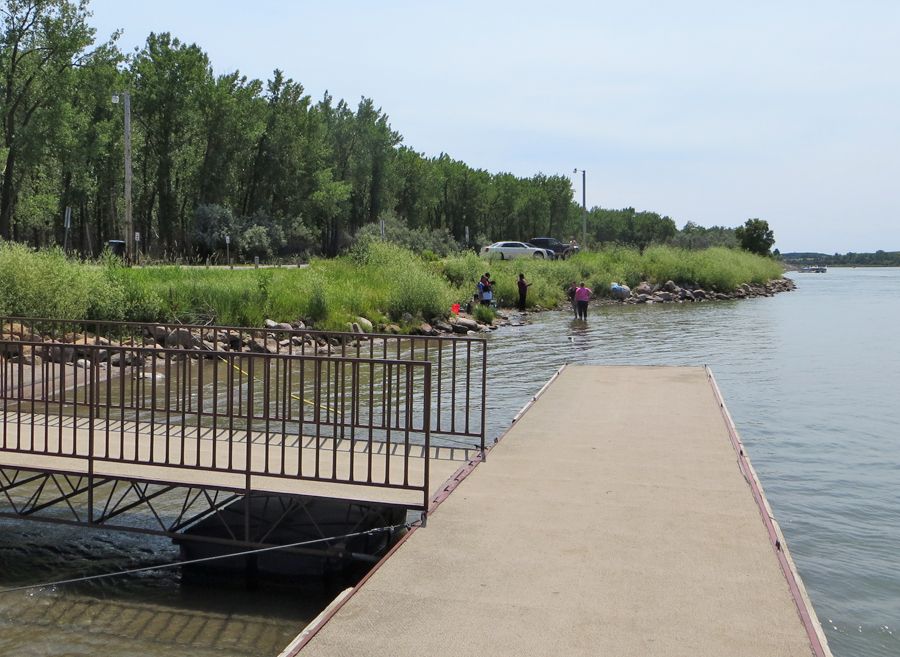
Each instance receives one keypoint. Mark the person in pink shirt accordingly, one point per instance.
(582, 296)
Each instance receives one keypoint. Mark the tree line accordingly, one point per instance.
(260, 163)
(877, 259)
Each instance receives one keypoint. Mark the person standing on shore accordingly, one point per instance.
(523, 291)
(486, 289)
(582, 296)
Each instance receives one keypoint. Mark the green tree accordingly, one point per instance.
(90, 155)
(169, 80)
(233, 120)
(211, 224)
(755, 236)
(649, 228)
(41, 42)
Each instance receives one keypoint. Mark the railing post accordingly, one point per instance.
(94, 378)
(426, 426)
(247, 489)
(483, 397)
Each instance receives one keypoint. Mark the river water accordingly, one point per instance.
(811, 379)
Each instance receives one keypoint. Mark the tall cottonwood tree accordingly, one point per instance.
(42, 41)
(169, 80)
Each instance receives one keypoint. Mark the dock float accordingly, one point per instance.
(618, 516)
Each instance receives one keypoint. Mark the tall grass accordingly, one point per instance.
(48, 284)
(379, 281)
(717, 269)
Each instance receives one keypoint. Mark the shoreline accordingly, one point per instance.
(644, 293)
(269, 338)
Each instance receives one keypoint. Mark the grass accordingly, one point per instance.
(379, 281)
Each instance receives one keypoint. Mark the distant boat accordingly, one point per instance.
(814, 269)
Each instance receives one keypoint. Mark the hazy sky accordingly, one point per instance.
(712, 112)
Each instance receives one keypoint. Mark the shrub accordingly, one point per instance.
(418, 240)
(48, 284)
(484, 314)
(255, 242)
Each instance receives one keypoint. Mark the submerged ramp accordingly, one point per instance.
(612, 519)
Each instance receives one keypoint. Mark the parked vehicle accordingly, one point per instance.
(560, 250)
(510, 250)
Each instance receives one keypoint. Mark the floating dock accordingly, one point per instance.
(618, 516)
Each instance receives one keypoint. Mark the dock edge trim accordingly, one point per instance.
(818, 641)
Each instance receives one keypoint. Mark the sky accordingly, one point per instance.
(712, 112)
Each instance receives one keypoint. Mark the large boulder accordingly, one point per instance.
(181, 339)
(10, 346)
(58, 353)
(365, 324)
(17, 330)
(263, 346)
(443, 327)
(643, 288)
(159, 333)
(232, 341)
(426, 329)
(28, 357)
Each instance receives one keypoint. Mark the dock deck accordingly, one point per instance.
(613, 518)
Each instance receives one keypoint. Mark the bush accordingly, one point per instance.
(256, 243)
(418, 240)
(48, 284)
(484, 314)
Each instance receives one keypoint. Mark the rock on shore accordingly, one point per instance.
(669, 292)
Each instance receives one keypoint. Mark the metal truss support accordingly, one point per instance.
(185, 514)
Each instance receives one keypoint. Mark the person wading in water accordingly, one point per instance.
(582, 296)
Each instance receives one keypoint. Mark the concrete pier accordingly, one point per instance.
(617, 517)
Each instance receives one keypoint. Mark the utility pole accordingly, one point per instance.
(129, 224)
(583, 207)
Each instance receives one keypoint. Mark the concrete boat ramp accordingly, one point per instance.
(618, 516)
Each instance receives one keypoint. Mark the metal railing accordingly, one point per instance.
(318, 417)
(459, 364)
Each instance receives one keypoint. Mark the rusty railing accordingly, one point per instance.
(459, 364)
(246, 417)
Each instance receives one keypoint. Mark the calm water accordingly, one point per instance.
(811, 378)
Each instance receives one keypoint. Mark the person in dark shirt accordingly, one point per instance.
(523, 290)
(570, 292)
